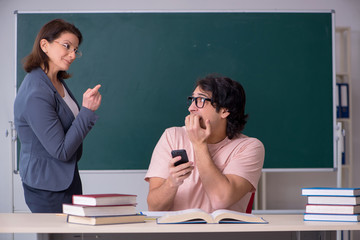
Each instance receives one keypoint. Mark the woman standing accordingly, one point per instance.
(50, 125)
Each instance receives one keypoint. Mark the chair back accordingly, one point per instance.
(250, 204)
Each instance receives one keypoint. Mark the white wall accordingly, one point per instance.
(286, 185)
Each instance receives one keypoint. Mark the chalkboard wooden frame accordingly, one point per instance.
(148, 62)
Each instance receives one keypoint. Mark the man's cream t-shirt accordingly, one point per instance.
(242, 156)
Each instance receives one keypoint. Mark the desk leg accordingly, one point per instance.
(339, 235)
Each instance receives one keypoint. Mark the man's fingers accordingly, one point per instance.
(187, 120)
(175, 159)
(196, 121)
(208, 127)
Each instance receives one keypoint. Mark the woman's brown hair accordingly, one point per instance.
(50, 31)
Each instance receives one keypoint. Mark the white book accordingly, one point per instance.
(332, 209)
(332, 217)
(323, 191)
(334, 200)
(110, 210)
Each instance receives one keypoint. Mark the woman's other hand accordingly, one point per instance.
(92, 98)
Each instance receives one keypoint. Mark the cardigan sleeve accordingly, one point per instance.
(41, 112)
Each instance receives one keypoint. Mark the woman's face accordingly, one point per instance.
(61, 51)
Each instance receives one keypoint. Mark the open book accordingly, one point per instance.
(200, 216)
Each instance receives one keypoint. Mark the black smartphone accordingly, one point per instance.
(182, 153)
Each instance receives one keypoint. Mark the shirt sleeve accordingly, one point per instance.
(247, 161)
(159, 164)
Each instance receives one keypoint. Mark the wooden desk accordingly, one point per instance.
(53, 223)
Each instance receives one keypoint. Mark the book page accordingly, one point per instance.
(234, 216)
(154, 214)
(187, 215)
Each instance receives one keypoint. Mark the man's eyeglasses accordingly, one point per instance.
(199, 101)
(68, 47)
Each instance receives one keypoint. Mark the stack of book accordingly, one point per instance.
(332, 204)
(99, 209)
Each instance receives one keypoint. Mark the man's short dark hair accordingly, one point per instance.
(229, 94)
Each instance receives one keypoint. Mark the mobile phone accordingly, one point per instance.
(182, 153)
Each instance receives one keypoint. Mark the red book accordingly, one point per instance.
(104, 199)
(109, 210)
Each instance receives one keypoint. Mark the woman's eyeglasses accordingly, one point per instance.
(70, 49)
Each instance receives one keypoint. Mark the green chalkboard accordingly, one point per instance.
(148, 63)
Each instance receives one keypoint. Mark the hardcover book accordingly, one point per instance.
(109, 210)
(200, 216)
(323, 191)
(104, 199)
(332, 217)
(339, 200)
(101, 220)
(332, 209)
